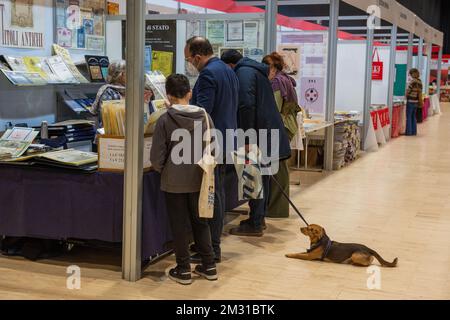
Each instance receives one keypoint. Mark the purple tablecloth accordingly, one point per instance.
(46, 203)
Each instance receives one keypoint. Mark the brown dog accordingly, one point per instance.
(323, 249)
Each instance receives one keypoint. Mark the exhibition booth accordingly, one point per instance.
(63, 179)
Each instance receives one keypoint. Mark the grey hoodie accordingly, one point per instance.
(184, 177)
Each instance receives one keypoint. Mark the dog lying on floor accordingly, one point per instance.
(323, 249)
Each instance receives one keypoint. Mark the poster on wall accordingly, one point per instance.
(18, 26)
(215, 33)
(64, 37)
(291, 55)
(235, 30)
(22, 13)
(83, 21)
(161, 36)
(251, 30)
(312, 94)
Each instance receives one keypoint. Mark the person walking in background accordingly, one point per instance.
(216, 90)
(287, 103)
(181, 183)
(258, 111)
(414, 101)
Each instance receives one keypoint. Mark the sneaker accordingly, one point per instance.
(197, 259)
(209, 273)
(247, 221)
(193, 248)
(181, 276)
(247, 230)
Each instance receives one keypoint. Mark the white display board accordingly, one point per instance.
(401, 57)
(350, 76)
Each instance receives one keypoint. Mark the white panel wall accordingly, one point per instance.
(114, 40)
(351, 62)
(401, 57)
(350, 73)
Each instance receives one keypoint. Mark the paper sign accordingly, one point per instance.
(112, 153)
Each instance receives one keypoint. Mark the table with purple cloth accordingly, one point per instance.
(54, 204)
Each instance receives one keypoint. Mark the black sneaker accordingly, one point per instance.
(247, 230)
(181, 276)
(247, 221)
(197, 259)
(209, 273)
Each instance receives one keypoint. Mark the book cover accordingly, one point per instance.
(148, 59)
(17, 78)
(59, 67)
(98, 67)
(88, 25)
(71, 157)
(16, 63)
(113, 8)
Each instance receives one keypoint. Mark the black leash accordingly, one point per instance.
(288, 199)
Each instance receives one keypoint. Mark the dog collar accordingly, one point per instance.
(327, 250)
(326, 242)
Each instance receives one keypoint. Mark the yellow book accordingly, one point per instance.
(34, 64)
(163, 62)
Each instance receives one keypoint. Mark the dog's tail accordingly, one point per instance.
(383, 262)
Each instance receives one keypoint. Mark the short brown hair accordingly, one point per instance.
(415, 73)
(276, 60)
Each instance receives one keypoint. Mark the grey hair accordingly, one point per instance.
(115, 71)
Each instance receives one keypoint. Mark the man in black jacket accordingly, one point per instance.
(257, 110)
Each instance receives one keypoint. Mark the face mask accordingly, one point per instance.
(196, 65)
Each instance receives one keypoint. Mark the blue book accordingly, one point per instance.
(148, 59)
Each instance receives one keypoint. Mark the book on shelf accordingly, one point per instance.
(98, 67)
(15, 63)
(70, 157)
(65, 55)
(113, 8)
(20, 78)
(59, 67)
(15, 142)
(73, 124)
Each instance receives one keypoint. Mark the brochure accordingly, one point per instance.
(59, 67)
(71, 157)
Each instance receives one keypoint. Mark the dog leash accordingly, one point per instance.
(288, 199)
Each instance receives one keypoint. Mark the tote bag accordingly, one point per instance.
(207, 191)
(377, 66)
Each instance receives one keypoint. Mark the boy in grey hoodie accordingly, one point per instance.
(181, 178)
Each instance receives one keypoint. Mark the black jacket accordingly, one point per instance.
(257, 106)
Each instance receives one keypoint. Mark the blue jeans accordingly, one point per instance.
(216, 223)
(411, 119)
(258, 208)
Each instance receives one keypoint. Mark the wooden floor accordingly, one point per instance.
(396, 201)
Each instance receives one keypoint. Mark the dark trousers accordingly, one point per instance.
(182, 209)
(216, 223)
(411, 120)
(258, 207)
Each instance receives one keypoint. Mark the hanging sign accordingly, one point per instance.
(384, 9)
(377, 66)
(19, 27)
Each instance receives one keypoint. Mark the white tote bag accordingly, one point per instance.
(207, 191)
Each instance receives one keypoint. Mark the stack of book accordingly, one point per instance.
(73, 131)
(347, 143)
